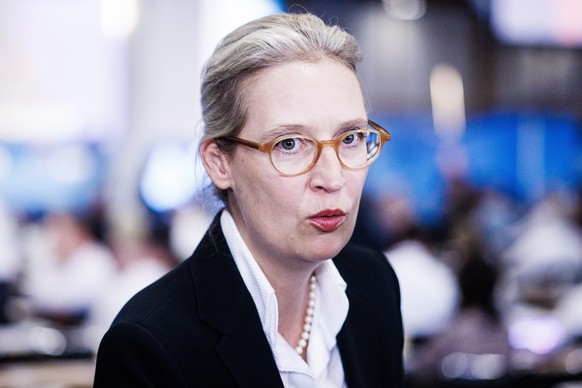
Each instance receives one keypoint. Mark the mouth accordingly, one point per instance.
(328, 220)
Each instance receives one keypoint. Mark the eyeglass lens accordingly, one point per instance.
(355, 149)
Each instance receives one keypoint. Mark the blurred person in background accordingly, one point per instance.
(273, 295)
(428, 285)
(474, 345)
(10, 259)
(545, 257)
(140, 263)
(542, 269)
(569, 306)
(67, 275)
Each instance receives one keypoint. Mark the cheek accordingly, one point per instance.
(256, 183)
(356, 182)
(246, 172)
(284, 194)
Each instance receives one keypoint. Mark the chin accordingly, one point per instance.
(326, 249)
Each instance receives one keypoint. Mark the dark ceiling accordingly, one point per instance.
(399, 55)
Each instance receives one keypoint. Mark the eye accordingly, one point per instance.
(349, 139)
(353, 138)
(287, 144)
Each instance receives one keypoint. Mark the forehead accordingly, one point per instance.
(312, 95)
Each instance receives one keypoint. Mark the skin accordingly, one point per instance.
(272, 212)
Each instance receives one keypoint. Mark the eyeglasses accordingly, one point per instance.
(295, 155)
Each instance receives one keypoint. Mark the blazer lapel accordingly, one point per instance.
(226, 304)
(370, 341)
(351, 353)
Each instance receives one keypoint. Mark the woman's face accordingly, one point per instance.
(309, 217)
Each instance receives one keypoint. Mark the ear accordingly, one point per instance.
(217, 165)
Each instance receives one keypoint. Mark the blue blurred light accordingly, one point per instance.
(169, 179)
(525, 155)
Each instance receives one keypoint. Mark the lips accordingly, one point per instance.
(328, 220)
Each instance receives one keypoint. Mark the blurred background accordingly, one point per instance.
(477, 200)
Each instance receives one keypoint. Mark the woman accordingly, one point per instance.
(260, 303)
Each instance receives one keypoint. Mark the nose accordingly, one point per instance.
(327, 174)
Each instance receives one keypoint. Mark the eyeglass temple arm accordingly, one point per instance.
(383, 133)
(244, 142)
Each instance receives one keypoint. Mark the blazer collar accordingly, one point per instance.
(225, 304)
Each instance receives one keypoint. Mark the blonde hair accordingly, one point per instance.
(257, 45)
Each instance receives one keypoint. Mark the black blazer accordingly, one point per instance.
(197, 326)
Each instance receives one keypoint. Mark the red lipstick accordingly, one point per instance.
(328, 220)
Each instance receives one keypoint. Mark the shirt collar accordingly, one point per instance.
(255, 280)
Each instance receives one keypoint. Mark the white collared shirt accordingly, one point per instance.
(324, 367)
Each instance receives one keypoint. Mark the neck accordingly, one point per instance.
(290, 278)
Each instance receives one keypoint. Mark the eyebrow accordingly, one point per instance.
(355, 123)
(283, 129)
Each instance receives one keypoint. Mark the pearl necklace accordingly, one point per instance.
(308, 320)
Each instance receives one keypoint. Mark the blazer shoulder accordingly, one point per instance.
(360, 264)
(146, 302)
(176, 290)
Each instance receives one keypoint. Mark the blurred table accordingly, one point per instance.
(37, 354)
(62, 373)
(559, 369)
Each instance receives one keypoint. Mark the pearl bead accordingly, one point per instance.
(302, 343)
